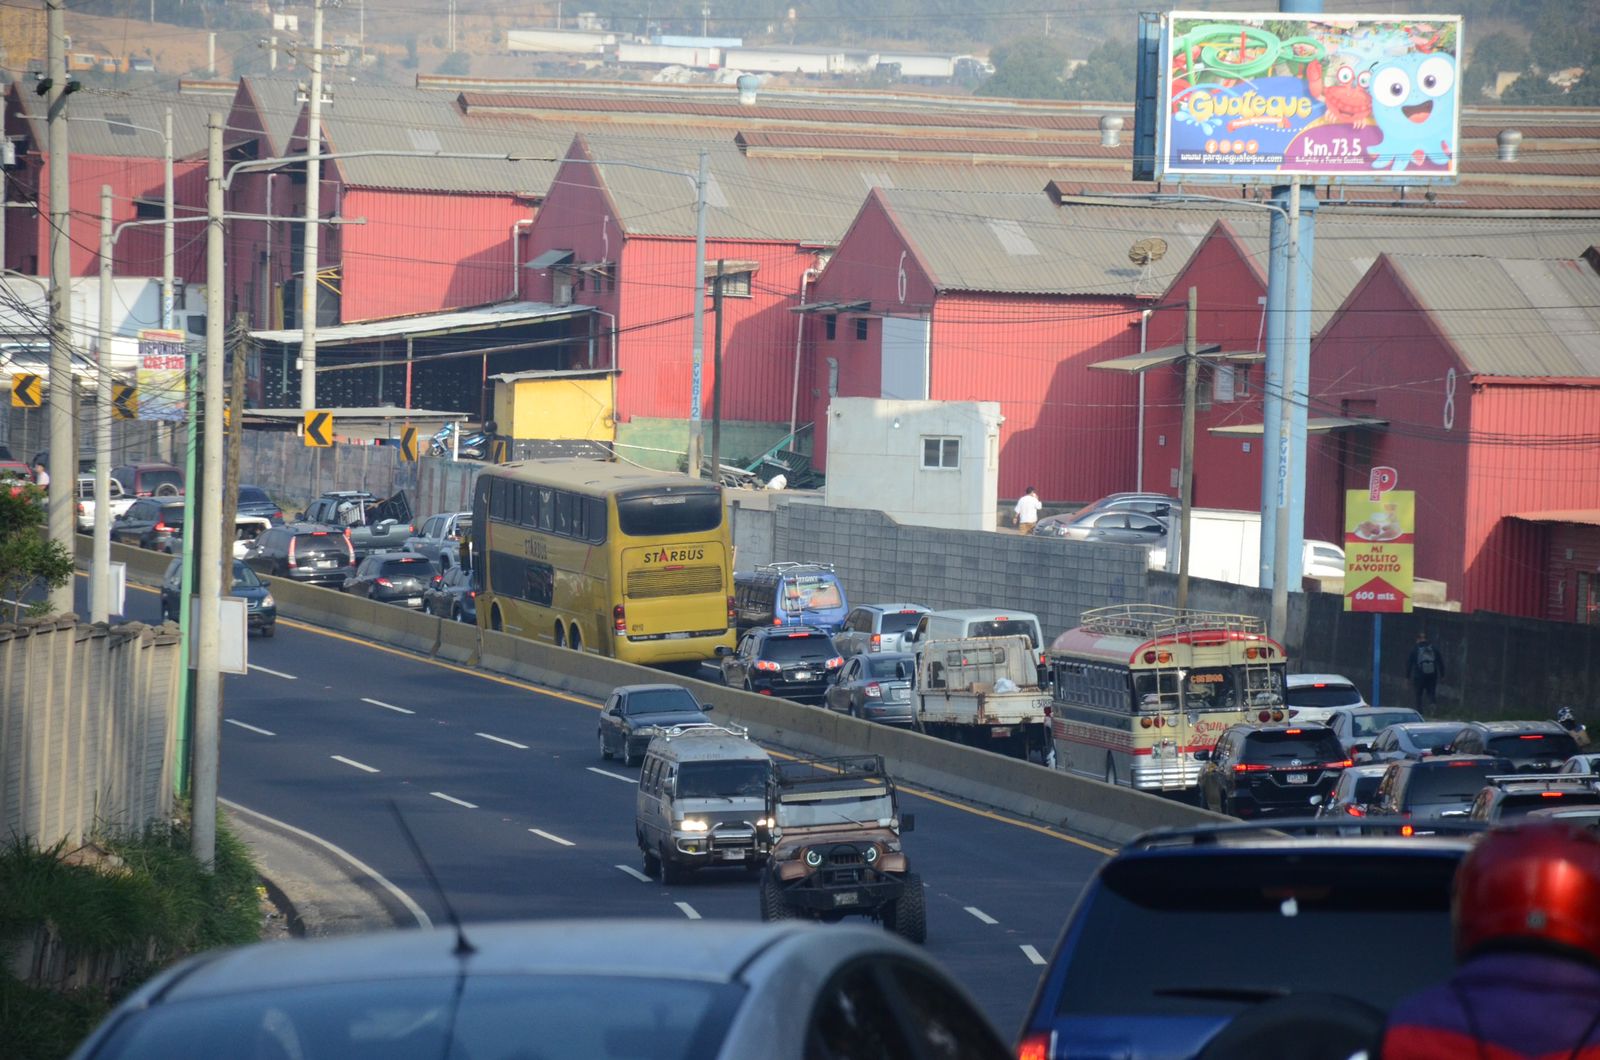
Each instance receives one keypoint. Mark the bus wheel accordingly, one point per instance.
(561, 635)
(575, 639)
(494, 619)
(1111, 770)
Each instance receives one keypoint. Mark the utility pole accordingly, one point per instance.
(1186, 459)
(1281, 529)
(716, 382)
(168, 209)
(63, 398)
(208, 674)
(697, 441)
(100, 561)
(308, 265)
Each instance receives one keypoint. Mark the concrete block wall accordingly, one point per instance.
(881, 560)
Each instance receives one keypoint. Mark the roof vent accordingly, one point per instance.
(747, 85)
(1508, 142)
(1110, 131)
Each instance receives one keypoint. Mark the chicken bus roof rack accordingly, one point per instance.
(1155, 620)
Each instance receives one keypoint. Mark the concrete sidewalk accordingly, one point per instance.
(322, 890)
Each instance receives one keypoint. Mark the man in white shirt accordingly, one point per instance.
(1027, 511)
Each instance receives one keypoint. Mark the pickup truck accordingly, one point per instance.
(985, 691)
(374, 525)
(440, 538)
(120, 502)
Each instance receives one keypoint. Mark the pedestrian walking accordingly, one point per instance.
(41, 476)
(1424, 667)
(1026, 513)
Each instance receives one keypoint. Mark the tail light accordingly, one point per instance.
(292, 542)
(277, 515)
(1265, 715)
(350, 548)
(835, 662)
(1249, 767)
(877, 642)
(767, 665)
(777, 621)
(1034, 1047)
(1355, 811)
(385, 582)
(619, 619)
(161, 526)
(1407, 830)
(472, 593)
(1344, 763)
(873, 691)
(1277, 715)
(730, 612)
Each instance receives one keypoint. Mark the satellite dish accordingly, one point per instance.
(1147, 250)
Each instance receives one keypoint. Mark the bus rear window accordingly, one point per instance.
(675, 511)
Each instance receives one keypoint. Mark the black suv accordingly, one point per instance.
(1238, 892)
(1431, 789)
(790, 661)
(149, 523)
(374, 525)
(1506, 799)
(1257, 770)
(392, 578)
(305, 552)
(1532, 746)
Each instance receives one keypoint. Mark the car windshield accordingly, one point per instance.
(1366, 787)
(1534, 745)
(253, 495)
(682, 510)
(244, 577)
(1285, 745)
(810, 592)
(710, 780)
(808, 806)
(1448, 781)
(171, 514)
(1523, 803)
(1250, 907)
(891, 667)
(409, 566)
(1372, 724)
(661, 700)
(791, 648)
(1324, 694)
(486, 1017)
(898, 621)
(1006, 627)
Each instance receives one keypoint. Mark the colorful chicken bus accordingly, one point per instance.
(1139, 688)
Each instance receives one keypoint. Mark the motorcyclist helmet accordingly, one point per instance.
(1533, 886)
(1564, 715)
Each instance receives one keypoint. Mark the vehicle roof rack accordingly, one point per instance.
(1156, 620)
(830, 770)
(789, 568)
(1544, 778)
(678, 732)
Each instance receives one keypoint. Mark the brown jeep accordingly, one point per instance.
(836, 846)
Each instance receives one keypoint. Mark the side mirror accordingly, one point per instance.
(1202, 755)
(706, 708)
(1316, 800)
(908, 822)
(299, 517)
(723, 650)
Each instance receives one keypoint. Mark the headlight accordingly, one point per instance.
(813, 858)
(642, 730)
(871, 855)
(268, 601)
(765, 822)
(692, 824)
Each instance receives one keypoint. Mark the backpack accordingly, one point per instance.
(1426, 660)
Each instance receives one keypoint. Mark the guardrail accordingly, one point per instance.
(1048, 796)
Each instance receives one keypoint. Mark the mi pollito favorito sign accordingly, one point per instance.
(1260, 98)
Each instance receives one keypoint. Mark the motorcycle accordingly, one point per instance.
(474, 446)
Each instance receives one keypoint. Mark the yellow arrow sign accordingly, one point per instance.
(408, 445)
(124, 401)
(27, 391)
(319, 428)
(499, 451)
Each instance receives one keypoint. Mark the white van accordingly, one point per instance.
(974, 622)
(702, 800)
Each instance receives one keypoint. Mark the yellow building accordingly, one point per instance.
(579, 403)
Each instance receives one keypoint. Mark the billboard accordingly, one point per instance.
(1380, 526)
(1261, 98)
(163, 376)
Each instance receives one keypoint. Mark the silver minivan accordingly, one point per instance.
(972, 622)
(702, 800)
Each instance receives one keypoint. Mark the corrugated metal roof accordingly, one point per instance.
(1583, 516)
(506, 314)
(1511, 316)
(1024, 244)
(127, 124)
(277, 105)
(822, 144)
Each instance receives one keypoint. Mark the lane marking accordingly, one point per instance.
(542, 834)
(353, 762)
(635, 873)
(1033, 955)
(416, 911)
(981, 915)
(387, 706)
(452, 798)
(502, 739)
(688, 910)
(252, 728)
(528, 686)
(274, 673)
(613, 776)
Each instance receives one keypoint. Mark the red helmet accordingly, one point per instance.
(1538, 882)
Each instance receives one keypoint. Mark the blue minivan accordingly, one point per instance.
(789, 594)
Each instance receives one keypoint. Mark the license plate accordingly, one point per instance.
(326, 563)
(1000, 732)
(847, 898)
(414, 601)
(677, 636)
(733, 854)
(1299, 778)
(802, 675)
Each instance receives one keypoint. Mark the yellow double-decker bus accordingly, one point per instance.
(1139, 688)
(604, 557)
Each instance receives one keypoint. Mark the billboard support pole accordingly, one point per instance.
(1377, 655)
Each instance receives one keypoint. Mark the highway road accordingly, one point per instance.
(503, 784)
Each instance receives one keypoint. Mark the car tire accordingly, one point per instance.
(495, 622)
(455, 613)
(652, 863)
(774, 906)
(671, 871)
(909, 916)
(605, 752)
(628, 757)
(269, 630)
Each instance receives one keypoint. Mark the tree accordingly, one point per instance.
(1030, 68)
(1106, 76)
(28, 559)
(456, 64)
(1494, 53)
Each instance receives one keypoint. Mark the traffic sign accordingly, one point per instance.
(124, 401)
(499, 451)
(27, 391)
(408, 445)
(319, 428)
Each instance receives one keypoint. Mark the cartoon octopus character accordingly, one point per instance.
(1413, 106)
(1343, 90)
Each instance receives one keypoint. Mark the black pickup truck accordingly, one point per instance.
(375, 525)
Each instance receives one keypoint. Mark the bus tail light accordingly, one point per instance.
(731, 615)
(619, 619)
(1277, 715)
(1145, 723)
(873, 691)
(1265, 715)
